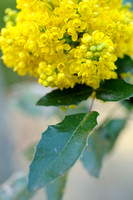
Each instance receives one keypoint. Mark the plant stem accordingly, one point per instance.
(93, 99)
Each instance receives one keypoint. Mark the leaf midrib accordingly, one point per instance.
(65, 145)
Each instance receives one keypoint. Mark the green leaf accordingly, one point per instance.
(99, 144)
(16, 188)
(128, 104)
(66, 97)
(59, 148)
(114, 90)
(109, 90)
(55, 191)
(124, 65)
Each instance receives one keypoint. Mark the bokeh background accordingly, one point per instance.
(21, 125)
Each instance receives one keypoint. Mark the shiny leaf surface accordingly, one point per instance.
(66, 97)
(114, 90)
(59, 148)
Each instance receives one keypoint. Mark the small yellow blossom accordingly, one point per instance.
(67, 42)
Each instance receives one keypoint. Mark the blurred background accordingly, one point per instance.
(21, 126)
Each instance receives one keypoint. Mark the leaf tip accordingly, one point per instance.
(95, 174)
(38, 103)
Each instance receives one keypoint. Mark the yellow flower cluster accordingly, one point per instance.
(64, 42)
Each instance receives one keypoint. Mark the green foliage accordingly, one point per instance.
(17, 186)
(60, 147)
(114, 90)
(99, 144)
(110, 90)
(55, 191)
(124, 65)
(66, 97)
(128, 104)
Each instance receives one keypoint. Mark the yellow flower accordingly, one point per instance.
(66, 42)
